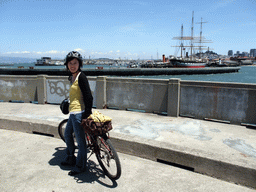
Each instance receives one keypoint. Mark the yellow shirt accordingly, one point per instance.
(76, 98)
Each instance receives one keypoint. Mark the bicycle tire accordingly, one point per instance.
(108, 158)
(61, 128)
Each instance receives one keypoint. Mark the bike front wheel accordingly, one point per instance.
(108, 158)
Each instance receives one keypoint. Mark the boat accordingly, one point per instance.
(189, 61)
(181, 63)
(47, 61)
(243, 60)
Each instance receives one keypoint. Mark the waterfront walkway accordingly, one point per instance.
(31, 162)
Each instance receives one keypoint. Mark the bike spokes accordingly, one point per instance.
(108, 158)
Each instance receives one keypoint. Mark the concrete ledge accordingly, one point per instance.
(185, 158)
(192, 160)
(44, 128)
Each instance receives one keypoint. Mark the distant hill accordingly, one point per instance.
(11, 60)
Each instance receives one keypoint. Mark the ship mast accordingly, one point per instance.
(200, 38)
(192, 35)
(181, 44)
(192, 40)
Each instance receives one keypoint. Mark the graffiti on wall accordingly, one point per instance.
(57, 90)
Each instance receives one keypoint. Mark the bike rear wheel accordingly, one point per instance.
(108, 158)
(61, 129)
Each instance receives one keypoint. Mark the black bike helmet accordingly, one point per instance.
(71, 55)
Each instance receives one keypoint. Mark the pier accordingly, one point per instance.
(198, 152)
(204, 127)
(123, 71)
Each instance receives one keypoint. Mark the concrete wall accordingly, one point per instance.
(231, 102)
(19, 88)
(140, 94)
(41, 88)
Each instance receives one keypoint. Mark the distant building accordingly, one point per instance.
(106, 59)
(253, 53)
(230, 53)
(245, 54)
(238, 54)
(44, 61)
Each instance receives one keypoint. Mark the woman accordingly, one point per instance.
(80, 107)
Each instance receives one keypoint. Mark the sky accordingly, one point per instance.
(142, 29)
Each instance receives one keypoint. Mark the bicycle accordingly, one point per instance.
(103, 149)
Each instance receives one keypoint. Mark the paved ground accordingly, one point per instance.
(220, 150)
(32, 163)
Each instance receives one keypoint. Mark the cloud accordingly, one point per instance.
(24, 52)
(92, 53)
(53, 52)
(79, 50)
(18, 52)
(35, 52)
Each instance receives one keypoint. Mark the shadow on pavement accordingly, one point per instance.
(93, 173)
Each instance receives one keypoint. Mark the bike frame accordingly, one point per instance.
(92, 143)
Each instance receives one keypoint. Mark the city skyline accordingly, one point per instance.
(251, 53)
(122, 29)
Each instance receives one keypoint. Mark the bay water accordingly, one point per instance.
(247, 74)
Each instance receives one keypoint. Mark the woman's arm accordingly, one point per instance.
(87, 94)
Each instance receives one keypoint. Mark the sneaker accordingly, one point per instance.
(69, 161)
(76, 170)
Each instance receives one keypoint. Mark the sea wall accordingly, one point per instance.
(228, 102)
(122, 71)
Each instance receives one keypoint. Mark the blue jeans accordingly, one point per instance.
(74, 126)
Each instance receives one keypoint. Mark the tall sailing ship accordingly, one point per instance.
(186, 61)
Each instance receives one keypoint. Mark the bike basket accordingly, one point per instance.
(96, 128)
